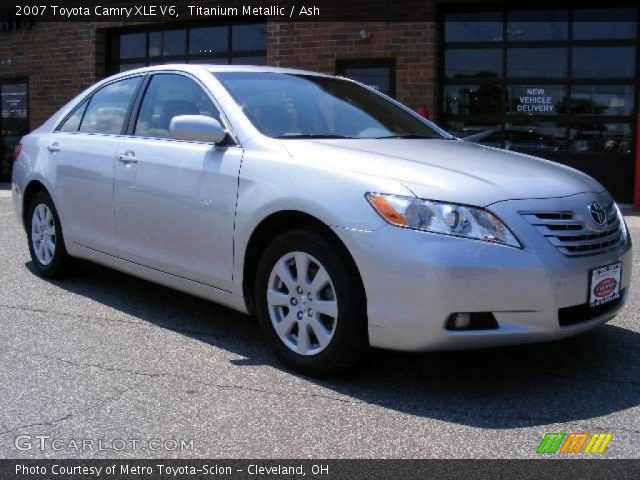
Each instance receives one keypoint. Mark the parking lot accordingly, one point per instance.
(104, 357)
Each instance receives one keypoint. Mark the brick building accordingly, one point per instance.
(559, 82)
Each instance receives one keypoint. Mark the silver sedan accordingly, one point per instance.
(336, 215)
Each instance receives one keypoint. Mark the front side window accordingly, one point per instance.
(108, 107)
(167, 96)
(295, 106)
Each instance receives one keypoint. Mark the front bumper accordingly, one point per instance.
(415, 280)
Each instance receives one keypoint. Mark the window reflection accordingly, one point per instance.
(208, 40)
(249, 60)
(205, 45)
(601, 138)
(248, 37)
(536, 138)
(538, 25)
(602, 99)
(609, 62)
(473, 27)
(486, 133)
(472, 99)
(473, 63)
(610, 23)
(537, 62)
(132, 45)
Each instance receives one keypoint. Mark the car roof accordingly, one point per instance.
(190, 67)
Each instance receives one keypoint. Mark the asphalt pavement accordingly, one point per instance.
(133, 369)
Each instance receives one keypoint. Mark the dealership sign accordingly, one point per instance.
(534, 100)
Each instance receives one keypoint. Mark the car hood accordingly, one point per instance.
(448, 170)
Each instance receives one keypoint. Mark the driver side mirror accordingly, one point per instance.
(196, 128)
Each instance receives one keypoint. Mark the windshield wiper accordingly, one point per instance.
(312, 135)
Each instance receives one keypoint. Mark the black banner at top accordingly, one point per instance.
(18, 15)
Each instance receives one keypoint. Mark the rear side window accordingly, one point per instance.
(108, 107)
(72, 123)
(167, 96)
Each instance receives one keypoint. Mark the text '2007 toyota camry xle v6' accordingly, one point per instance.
(338, 216)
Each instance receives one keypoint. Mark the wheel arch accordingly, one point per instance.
(32, 188)
(275, 224)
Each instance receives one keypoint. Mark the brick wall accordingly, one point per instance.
(316, 46)
(58, 59)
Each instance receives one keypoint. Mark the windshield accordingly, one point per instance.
(308, 106)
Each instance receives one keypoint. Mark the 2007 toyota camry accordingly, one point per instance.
(338, 216)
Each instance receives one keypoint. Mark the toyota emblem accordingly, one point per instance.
(598, 213)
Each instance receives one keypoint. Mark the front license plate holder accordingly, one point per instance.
(604, 284)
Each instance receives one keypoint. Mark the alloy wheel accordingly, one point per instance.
(302, 303)
(43, 234)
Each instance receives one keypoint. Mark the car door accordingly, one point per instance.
(83, 151)
(175, 200)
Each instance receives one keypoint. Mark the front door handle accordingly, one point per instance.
(54, 147)
(128, 157)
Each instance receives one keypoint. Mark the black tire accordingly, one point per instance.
(349, 343)
(61, 263)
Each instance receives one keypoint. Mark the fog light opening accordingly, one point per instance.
(461, 321)
(471, 321)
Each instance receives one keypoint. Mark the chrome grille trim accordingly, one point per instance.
(573, 236)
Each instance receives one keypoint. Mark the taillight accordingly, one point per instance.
(16, 151)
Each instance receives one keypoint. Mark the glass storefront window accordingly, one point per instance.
(133, 45)
(211, 61)
(538, 25)
(246, 38)
(537, 62)
(487, 133)
(130, 66)
(206, 44)
(167, 43)
(155, 44)
(568, 91)
(536, 100)
(602, 99)
(208, 40)
(14, 123)
(472, 99)
(473, 27)
(601, 138)
(604, 24)
(534, 137)
(249, 60)
(473, 63)
(604, 62)
(174, 42)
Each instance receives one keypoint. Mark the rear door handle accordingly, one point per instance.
(128, 157)
(54, 147)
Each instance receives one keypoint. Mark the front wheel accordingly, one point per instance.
(310, 303)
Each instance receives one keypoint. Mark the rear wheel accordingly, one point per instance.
(310, 304)
(46, 243)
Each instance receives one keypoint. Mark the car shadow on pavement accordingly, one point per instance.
(580, 378)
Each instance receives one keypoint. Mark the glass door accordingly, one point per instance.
(14, 122)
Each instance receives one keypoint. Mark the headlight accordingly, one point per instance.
(444, 218)
(623, 225)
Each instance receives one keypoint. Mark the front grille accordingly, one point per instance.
(583, 313)
(570, 234)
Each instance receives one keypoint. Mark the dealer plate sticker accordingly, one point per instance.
(605, 284)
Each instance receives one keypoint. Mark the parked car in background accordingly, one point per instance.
(338, 216)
